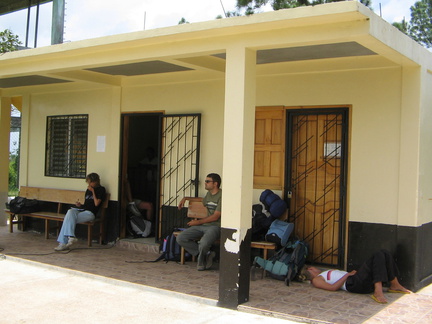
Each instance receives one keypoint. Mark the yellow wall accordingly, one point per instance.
(102, 106)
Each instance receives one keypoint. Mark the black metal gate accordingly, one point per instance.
(179, 168)
(316, 182)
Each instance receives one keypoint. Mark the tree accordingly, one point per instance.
(183, 21)
(8, 41)
(251, 5)
(402, 26)
(420, 26)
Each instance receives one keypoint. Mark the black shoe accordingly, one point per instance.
(209, 259)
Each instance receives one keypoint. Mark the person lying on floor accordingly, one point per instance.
(378, 269)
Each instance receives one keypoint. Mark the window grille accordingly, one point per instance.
(66, 146)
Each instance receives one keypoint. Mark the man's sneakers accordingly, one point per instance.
(208, 261)
(71, 241)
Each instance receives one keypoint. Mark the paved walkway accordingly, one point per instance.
(298, 302)
(32, 293)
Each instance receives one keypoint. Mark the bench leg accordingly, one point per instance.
(265, 254)
(11, 217)
(90, 235)
(182, 255)
(46, 229)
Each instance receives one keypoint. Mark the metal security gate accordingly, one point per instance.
(316, 180)
(179, 167)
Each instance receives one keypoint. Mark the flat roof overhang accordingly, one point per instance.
(286, 41)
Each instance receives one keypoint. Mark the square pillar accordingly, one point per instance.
(5, 120)
(237, 178)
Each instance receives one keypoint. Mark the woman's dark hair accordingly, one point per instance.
(216, 178)
(93, 177)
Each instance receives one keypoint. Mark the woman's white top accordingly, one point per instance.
(332, 276)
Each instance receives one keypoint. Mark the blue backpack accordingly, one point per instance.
(279, 232)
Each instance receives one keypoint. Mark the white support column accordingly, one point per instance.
(5, 120)
(237, 177)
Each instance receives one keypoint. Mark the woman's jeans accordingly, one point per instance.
(73, 217)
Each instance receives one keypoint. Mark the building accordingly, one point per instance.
(326, 105)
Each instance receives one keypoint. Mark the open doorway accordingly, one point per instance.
(139, 169)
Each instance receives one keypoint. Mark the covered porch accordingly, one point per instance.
(327, 56)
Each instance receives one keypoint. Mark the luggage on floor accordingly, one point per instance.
(139, 226)
(285, 264)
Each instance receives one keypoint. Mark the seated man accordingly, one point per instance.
(202, 233)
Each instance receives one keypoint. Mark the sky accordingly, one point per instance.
(95, 18)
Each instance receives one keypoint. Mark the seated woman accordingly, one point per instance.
(380, 268)
(94, 196)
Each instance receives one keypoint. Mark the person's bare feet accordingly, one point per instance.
(379, 298)
(396, 287)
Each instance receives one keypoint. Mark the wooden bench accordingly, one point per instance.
(197, 210)
(60, 197)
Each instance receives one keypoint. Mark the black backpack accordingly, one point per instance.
(285, 264)
(139, 227)
(260, 223)
(23, 205)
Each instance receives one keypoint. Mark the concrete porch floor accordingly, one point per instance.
(298, 302)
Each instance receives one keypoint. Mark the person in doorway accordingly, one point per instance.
(137, 206)
(86, 212)
(378, 269)
(202, 233)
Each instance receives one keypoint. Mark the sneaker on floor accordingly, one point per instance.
(209, 259)
(200, 267)
(61, 247)
(71, 241)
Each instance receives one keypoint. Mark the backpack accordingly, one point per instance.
(170, 249)
(260, 223)
(279, 232)
(23, 205)
(139, 227)
(285, 264)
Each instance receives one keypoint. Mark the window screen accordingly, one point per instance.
(66, 146)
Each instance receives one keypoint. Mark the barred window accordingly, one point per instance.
(66, 146)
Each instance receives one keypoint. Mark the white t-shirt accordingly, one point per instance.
(332, 276)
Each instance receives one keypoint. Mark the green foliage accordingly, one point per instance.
(13, 174)
(251, 6)
(183, 21)
(402, 26)
(8, 41)
(420, 26)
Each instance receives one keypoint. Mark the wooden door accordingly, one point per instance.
(316, 166)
